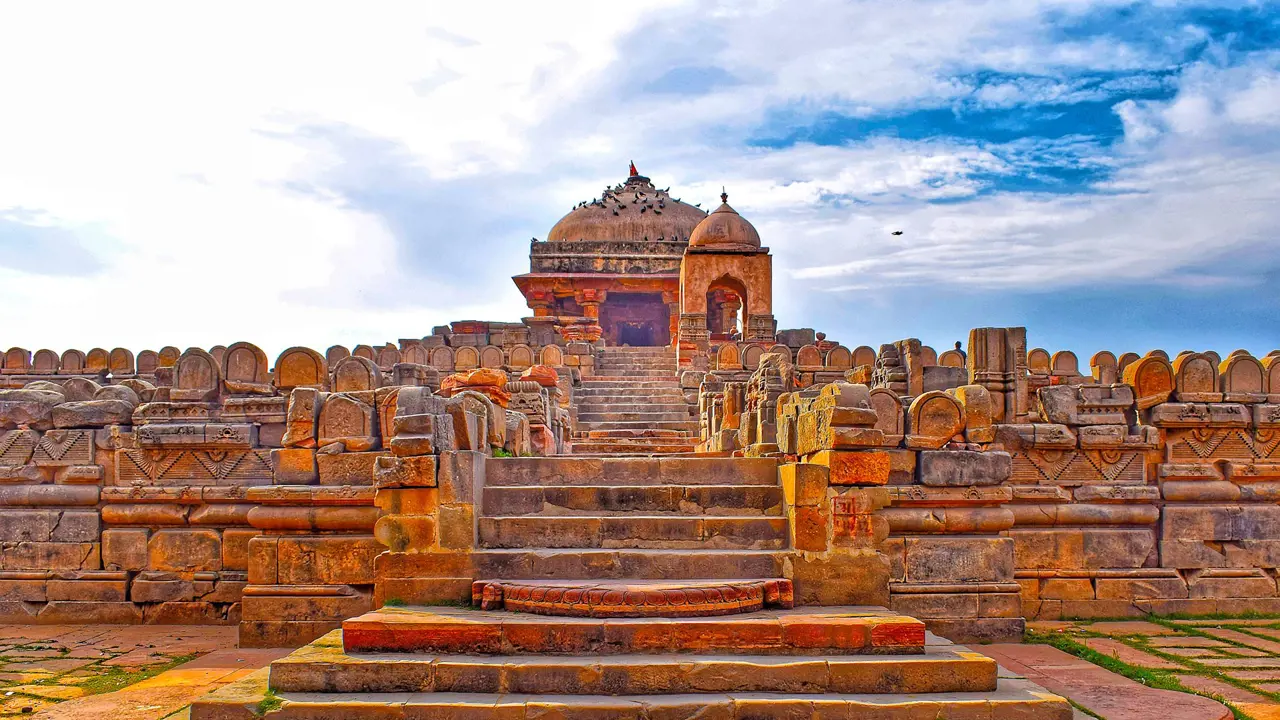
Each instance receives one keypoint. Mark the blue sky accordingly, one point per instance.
(1104, 173)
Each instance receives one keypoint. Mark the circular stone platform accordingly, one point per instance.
(637, 598)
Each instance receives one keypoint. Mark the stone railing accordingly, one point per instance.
(215, 491)
(1031, 490)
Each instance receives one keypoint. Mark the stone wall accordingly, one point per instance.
(1018, 487)
(209, 487)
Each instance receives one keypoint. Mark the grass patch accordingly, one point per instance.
(117, 678)
(1154, 678)
(393, 602)
(270, 702)
(501, 453)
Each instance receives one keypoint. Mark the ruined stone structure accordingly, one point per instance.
(696, 514)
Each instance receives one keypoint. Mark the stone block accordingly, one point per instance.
(235, 548)
(1124, 588)
(1253, 586)
(1066, 589)
(294, 466)
(171, 589)
(457, 526)
(92, 413)
(264, 560)
(291, 608)
(348, 468)
(77, 526)
(406, 533)
(871, 467)
(962, 468)
(1048, 549)
(185, 550)
(124, 549)
(50, 556)
(406, 472)
(955, 559)
(324, 560)
(803, 484)
(72, 612)
(460, 473)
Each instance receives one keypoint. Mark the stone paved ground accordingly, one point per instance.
(1235, 661)
(131, 672)
(149, 673)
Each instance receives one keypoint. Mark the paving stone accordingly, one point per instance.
(1186, 641)
(1130, 627)
(1228, 692)
(1104, 693)
(1126, 654)
(1269, 646)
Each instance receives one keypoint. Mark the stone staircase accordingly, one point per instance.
(633, 405)
(643, 588)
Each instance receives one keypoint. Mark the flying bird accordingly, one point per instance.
(896, 232)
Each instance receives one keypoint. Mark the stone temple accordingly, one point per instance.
(642, 501)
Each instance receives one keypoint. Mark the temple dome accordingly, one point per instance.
(633, 211)
(725, 229)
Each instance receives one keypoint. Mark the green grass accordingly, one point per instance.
(118, 678)
(393, 602)
(501, 453)
(268, 703)
(1154, 678)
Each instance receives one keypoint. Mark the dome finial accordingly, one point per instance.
(634, 171)
(724, 196)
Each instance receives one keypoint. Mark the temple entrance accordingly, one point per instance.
(636, 334)
(636, 319)
(726, 308)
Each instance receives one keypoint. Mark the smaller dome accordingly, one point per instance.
(725, 229)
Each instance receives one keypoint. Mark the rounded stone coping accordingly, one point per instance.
(672, 599)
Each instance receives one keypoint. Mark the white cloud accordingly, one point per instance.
(200, 158)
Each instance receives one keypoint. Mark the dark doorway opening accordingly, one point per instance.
(637, 334)
(636, 319)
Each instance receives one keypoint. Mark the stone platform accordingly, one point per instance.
(673, 680)
(806, 631)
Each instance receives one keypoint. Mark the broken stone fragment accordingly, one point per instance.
(28, 408)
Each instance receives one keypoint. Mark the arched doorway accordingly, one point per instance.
(726, 308)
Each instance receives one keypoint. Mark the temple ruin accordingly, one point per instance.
(645, 500)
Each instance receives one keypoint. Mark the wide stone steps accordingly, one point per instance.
(627, 393)
(640, 450)
(683, 424)
(655, 434)
(634, 531)
(835, 631)
(626, 372)
(605, 415)
(619, 564)
(328, 668)
(633, 499)
(624, 383)
(1013, 699)
(504, 472)
(595, 406)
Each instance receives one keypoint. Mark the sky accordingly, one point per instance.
(1105, 173)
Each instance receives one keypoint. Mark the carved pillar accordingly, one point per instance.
(761, 328)
(590, 299)
(729, 324)
(542, 302)
(672, 301)
(693, 340)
